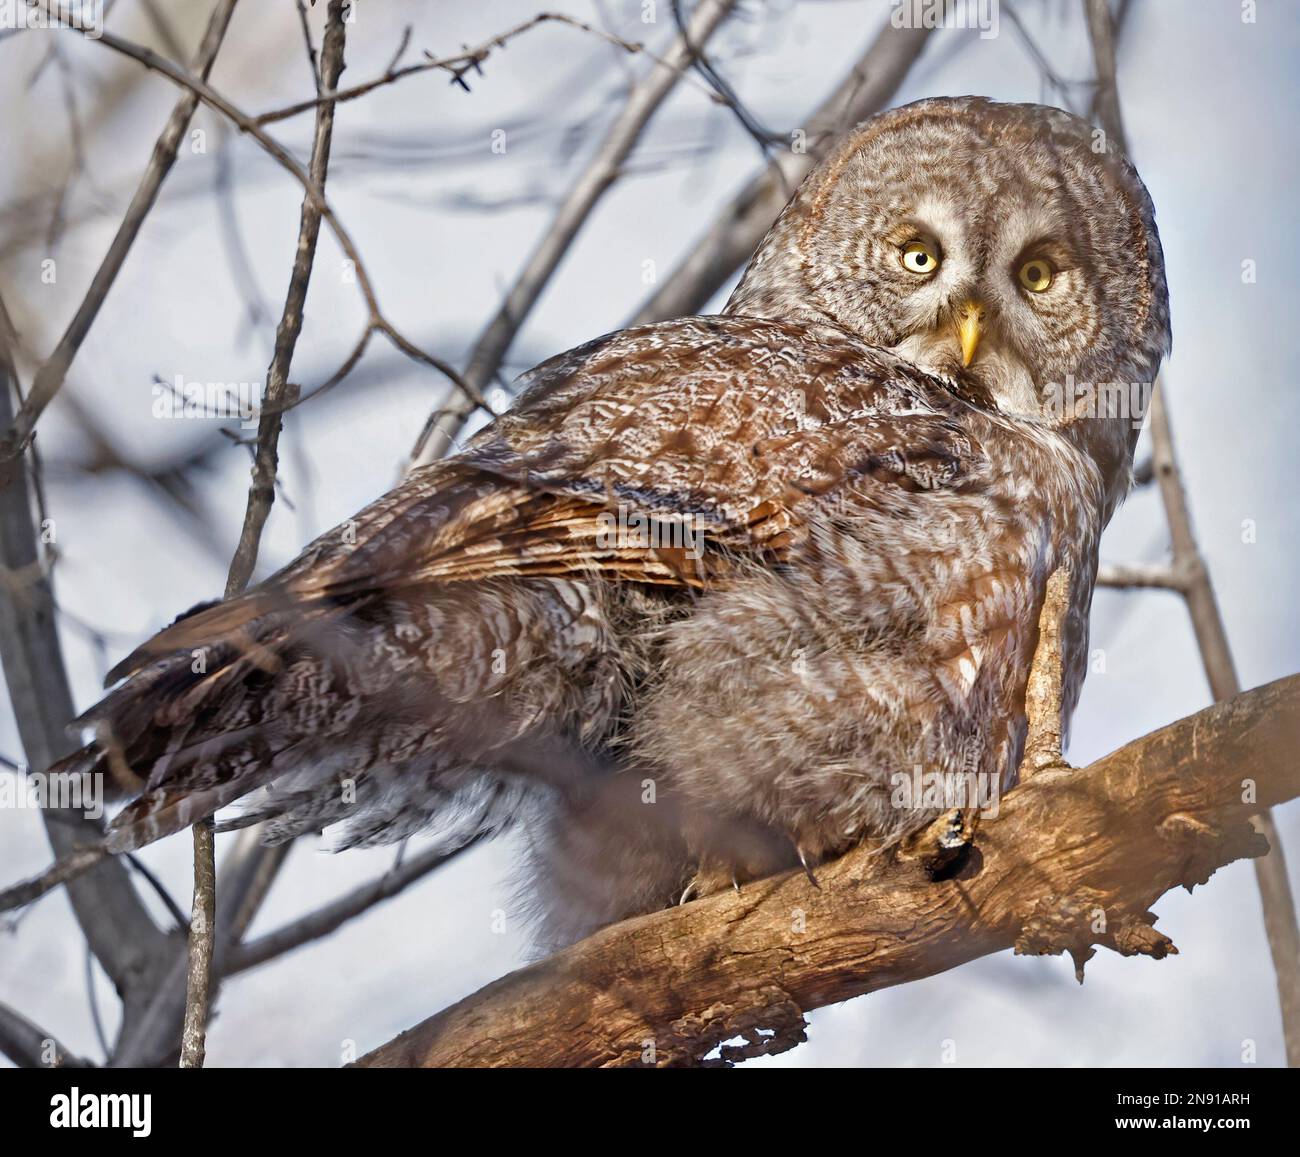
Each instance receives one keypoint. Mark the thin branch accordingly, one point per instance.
(311, 48)
(280, 393)
(1280, 921)
(16, 437)
(152, 1039)
(333, 916)
(763, 137)
(31, 1047)
(746, 218)
(494, 341)
(1054, 81)
(69, 867)
(51, 374)
(200, 990)
(1162, 812)
(462, 63)
(1140, 575)
(203, 930)
(116, 924)
(159, 890)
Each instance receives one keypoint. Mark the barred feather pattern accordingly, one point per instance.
(690, 607)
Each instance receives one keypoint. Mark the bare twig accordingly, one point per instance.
(200, 991)
(763, 137)
(459, 65)
(1133, 575)
(333, 916)
(51, 374)
(17, 436)
(156, 885)
(1050, 77)
(203, 930)
(738, 229)
(311, 48)
(280, 393)
(490, 348)
(30, 1047)
(70, 866)
(1280, 922)
(117, 927)
(1162, 812)
(152, 1038)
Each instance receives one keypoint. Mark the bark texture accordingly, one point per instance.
(1075, 858)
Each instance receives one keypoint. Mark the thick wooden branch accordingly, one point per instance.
(1043, 692)
(1075, 858)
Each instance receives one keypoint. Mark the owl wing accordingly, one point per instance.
(732, 428)
(371, 650)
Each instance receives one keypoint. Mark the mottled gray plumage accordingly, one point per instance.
(877, 520)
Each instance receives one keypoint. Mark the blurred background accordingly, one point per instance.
(446, 188)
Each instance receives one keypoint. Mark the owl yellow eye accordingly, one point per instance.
(1036, 274)
(918, 257)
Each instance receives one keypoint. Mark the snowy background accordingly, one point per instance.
(444, 223)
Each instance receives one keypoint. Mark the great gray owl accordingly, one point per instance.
(690, 607)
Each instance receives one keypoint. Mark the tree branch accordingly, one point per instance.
(1136, 575)
(50, 376)
(738, 229)
(1280, 921)
(1073, 858)
(485, 359)
(1043, 690)
(280, 394)
(461, 63)
(31, 1047)
(124, 939)
(19, 432)
(331, 917)
(200, 990)
(203, 930)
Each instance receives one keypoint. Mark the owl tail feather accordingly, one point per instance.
(376, 711)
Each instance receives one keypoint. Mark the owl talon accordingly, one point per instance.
(943, 846)
(803, 859)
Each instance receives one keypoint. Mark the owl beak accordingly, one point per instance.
(969, 318)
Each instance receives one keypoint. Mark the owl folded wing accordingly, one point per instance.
(659, 455)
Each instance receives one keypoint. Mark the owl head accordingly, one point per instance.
(1009, 249)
